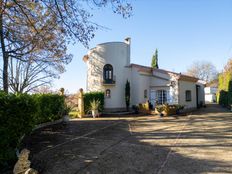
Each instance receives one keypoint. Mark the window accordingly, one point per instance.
(145, 93)
(161, 96)
(188, 96)
(108, 93)
(108, 73)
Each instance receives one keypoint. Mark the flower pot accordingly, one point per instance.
(66, 118)
(95, 113)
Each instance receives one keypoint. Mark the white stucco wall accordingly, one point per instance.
(210, 90)
(116, 54)
(210, 94)
(210, 98)
(183, 86)
(139, 83)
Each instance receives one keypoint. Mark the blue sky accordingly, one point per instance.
(183, 31)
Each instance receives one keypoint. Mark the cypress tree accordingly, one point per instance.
(154, 62)
(127, 94)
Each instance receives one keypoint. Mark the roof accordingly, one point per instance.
(147, 69)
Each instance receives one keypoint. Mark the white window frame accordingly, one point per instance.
(162, 96)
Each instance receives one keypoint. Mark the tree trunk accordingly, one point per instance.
(5, 57)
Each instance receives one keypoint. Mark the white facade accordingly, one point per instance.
(109, 68)
(210, 94)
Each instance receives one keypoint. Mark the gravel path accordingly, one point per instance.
(194, 144)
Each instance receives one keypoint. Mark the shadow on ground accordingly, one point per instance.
(197, 144)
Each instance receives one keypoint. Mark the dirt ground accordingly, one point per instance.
(195, 144)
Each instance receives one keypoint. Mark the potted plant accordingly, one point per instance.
(160, 109)
(179, 108)
(94, 106)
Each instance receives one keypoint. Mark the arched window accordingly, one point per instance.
(108, 73)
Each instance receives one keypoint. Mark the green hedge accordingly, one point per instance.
(49, 107)
(19, 114)
(16, 119)
(225, 98)
(90, 96)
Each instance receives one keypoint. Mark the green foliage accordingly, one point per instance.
(50, 107)
(160, 108)
(16, 119)
(127, 94)
(223, 99)
(229, 98)
(94, 105)
(224, 88)
(169, 109)
(154, 62)
(90, 96)
(19, 114)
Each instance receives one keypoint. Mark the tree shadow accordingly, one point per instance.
(145, 145)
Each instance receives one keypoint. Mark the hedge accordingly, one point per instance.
(19, 114)
(90, 96)
(225, 98)
(49, 107)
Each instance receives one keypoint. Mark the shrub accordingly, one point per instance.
(50, 107)
(160, 108)
(94, 105)
(90, 96)
(19, 114)
(16, 119)
(223, 98)
(167, 109)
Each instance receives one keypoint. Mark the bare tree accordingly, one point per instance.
(203, 70)
(26, 76)
(44, 28)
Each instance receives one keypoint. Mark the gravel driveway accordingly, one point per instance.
(198, 143)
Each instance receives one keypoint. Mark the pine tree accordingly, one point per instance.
(154, 62)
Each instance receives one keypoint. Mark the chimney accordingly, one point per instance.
(128, 42)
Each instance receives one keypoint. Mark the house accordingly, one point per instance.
(211, 92)
(109, 67)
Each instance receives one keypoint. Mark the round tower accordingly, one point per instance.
(108, 70)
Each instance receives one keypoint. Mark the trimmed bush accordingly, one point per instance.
(223, 98)
(50, 107)
(18, 116)
(90, 96)
(16, 119)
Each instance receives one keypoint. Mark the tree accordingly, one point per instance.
(27, 76)
(35, 27)
(203, 70)
(127, 94)
(224, 95)
(154, 62)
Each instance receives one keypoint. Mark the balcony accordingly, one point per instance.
(110, 82)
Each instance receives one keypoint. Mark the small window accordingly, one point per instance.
(145, 93)
(108, 93)
(188, 96)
